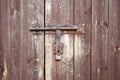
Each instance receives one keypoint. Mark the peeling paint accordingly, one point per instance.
(5, 71)
(37, 59)
(14, 13)
(40, 73)
(96, 24)
(34, 22)
(104, 23)
(98, 72)
(118, 49)
(48, 9)
(96, 27)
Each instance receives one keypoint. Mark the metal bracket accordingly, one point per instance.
(36, 32)
(58, 46)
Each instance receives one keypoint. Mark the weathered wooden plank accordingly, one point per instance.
(5, 29)
(50, 64)
(24, 39)
(66, 66)
(82, 16)
(1, 47)
(35, 44)
(114, 40)
(1, 56)
(59, 12)
(99, 39)
(0, 44)
(15, 39)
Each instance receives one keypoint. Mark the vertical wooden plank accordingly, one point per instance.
(5, 29)
(15, 40)
(1, 47)
(114, 40)
(59, 12)
(24, 39)
(1, 56)
(15, 65)
(82, 16)
(99, 39)
(36, 44)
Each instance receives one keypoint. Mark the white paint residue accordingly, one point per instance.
(48, 10)
(80, 48)
(79, 51)
(40, 73)
(48, 61)
(14, 14)
(5, 71)
(48, 5)
(66, 42)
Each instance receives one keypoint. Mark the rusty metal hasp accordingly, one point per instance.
(58, 46)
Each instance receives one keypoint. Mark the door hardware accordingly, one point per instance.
(36, 26)
(58, 46)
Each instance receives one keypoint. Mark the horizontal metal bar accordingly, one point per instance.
(67, 32)
(55, 28)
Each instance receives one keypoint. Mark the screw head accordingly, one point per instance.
(36, 26)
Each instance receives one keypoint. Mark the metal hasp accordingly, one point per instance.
(58, 46)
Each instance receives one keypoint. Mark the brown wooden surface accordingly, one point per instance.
(99, 40)
(15, 23)
(90, 56)
(24, 39)
(1, 48)
(5, 32)
(82, 16)
(35, 44)
(15, 39)
(114, 40)
(59, 12)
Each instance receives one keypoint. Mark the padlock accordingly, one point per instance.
(58, 57)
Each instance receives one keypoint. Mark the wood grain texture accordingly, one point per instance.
(114, 40)
(94, 55)
(59, 12)
(5, 29)
(82, 17)
(24, 39)
(14, 33)
(35, 44)
(15, 39)
(99, 39)
(1, 47)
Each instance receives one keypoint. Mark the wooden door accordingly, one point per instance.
(19, 43)
(93, 55)
(21, 46)
(75, 62)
